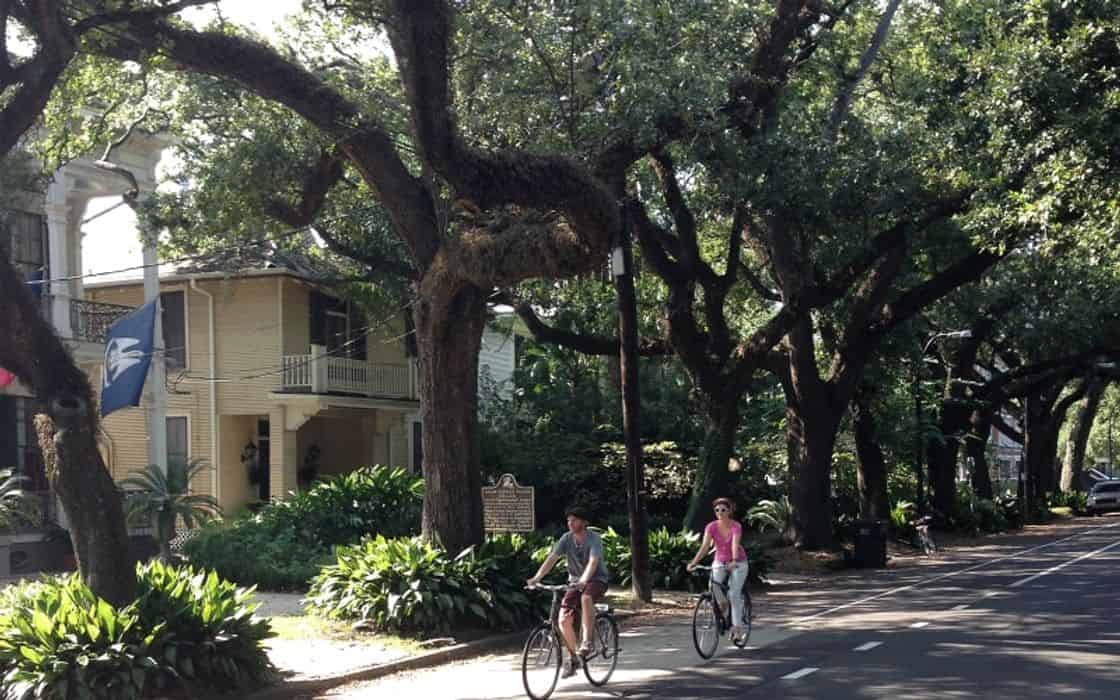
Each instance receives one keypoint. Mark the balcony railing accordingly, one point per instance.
(319, 373)
(90, 320)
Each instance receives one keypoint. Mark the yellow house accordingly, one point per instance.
(270, 379)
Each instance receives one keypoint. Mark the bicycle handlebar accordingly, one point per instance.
(555, 588)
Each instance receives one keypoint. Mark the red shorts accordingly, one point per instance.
(595, 589)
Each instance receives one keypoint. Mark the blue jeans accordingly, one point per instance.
(737, 571)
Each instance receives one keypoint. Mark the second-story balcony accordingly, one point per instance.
(90, 320)
(318, 372)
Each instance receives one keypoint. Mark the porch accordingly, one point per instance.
(309, 437)
(321, 372)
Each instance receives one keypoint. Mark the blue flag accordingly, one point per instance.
(128, 353)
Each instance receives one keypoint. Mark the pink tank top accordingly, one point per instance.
(723, 545)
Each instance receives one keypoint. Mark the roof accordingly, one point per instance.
(235, 263)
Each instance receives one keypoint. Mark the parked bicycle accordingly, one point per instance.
(710, 621)
(543, 655)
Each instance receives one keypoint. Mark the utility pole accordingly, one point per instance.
(156, 385)
(622, 270)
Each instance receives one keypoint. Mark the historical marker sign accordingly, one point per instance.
(508, 507)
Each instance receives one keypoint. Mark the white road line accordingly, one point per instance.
(1059, 567)
(868, 647)
(919, 625)
(799, 674)
(923, 582)
(961, 607)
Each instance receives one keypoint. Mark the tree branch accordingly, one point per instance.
(581, 342)
(847, 90)
(420, 35)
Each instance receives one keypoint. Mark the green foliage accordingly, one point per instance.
(408, 585)
(284, 545)
(903, 516)
(1077, 501)
(60, 641)
(974, 516)
(166, 499)
(16, 507)
(774, 515)
(668, 554)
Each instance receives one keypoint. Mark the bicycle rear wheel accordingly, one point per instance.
(599, 665)
(705, 627)
(748, 617)
(540, 663)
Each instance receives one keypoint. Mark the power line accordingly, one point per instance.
(197, 256)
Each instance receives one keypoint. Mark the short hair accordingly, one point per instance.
(578, 512)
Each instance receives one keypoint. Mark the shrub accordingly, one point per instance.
(60, 641)
(284, 545)
(409, 585)
(903, 516)
(974, 515)
(252, 553)
(668, 554)
(1077, 501)
(771, 514)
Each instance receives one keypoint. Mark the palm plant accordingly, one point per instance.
(163, 499)
(17, 507)
(772, 514)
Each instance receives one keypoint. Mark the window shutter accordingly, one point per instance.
(318, 319)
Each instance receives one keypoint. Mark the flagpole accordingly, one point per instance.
(156, 386)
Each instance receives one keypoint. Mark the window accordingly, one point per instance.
(174, 320)
(178, 440)
(338, 326)
(1107, 488)
(26, 234)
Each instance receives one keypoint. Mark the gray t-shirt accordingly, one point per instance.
(579, 554)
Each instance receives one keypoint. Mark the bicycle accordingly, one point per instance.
(543, 655)
(709, 622)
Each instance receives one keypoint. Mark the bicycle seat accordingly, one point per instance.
(603, 608)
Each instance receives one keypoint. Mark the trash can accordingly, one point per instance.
(871, 544)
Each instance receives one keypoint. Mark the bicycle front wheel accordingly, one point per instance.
(599, 665)
(748, 617)
(540, 663)
(705, 627)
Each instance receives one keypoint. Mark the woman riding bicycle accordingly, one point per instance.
(725, 534)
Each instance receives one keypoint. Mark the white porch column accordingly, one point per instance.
(58, 215)
(283, 453)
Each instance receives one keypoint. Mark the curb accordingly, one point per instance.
(295, 690)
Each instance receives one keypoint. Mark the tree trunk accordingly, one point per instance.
(871, 469)
(1074, 462)
(810, 439)
(449, 326)
(67, 434)
(713, 478)
(640, 583)
(943, 450)
(977, 446)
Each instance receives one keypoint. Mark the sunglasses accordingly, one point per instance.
(722, 509)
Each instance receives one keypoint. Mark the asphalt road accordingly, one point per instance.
(1036, 620)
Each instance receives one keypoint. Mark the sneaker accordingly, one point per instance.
(570, 669)
(584, 651)
(737, 631)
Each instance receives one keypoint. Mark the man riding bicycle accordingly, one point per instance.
(587, 572)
